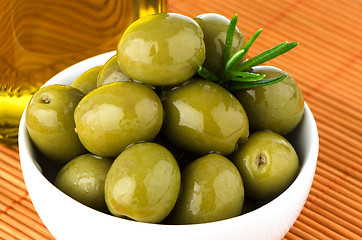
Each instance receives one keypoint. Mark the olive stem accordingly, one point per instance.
(260, 160)
(45, 100)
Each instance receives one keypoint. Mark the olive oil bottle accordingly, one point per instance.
(40, 38)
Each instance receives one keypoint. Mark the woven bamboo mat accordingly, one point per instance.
(326, 65)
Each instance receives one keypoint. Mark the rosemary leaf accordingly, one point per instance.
(203, 72)
(263, 57)
(229, 38)
(243, 74)
(252, 40)
(247, 79)
(287, 48)
(234, 60)
(260, 83)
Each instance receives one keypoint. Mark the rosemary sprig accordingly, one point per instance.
(237, 75)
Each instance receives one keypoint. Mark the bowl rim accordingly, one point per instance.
(308, 167)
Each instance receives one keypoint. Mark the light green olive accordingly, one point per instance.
(278, 107)
(111, 72)
(50, 122)
(113, 116)
(143, 183)
(202, 117)
(212, 190)
(88, 80)
(161, 49)
(268, 164)
(83, 179)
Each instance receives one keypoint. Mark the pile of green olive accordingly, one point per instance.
(147, 138)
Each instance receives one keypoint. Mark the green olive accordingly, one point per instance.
(143, 183)
(214, 27)
(212, 190)
(278, 107)
(88, 80)
(162, 49)
(268, 164)
(202, 117)
(50, 122)
(83, 179)
(111, 72)
(116, 115)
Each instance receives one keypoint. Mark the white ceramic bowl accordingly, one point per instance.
(68, 219)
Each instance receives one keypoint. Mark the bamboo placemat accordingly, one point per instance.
(327, 65)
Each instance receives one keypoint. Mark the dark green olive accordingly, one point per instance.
(278, 107)
(182, 157)
(249, 205)
(83, 179)
(268, 164)
(161, 49)
(50, 122)
(202, 117)
(214, 27)
(116, 115)
(212, 190)
(143, 183)
(111, 72)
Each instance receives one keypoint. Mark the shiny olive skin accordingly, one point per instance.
(278, 107)
(143, 183)
(214, 27)
(111, 72)
(267, 163)
(50, 122)
(116, 115)
(202, 117)
(212, 190)
(161, 49)
(88, 80)
(83, 179)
